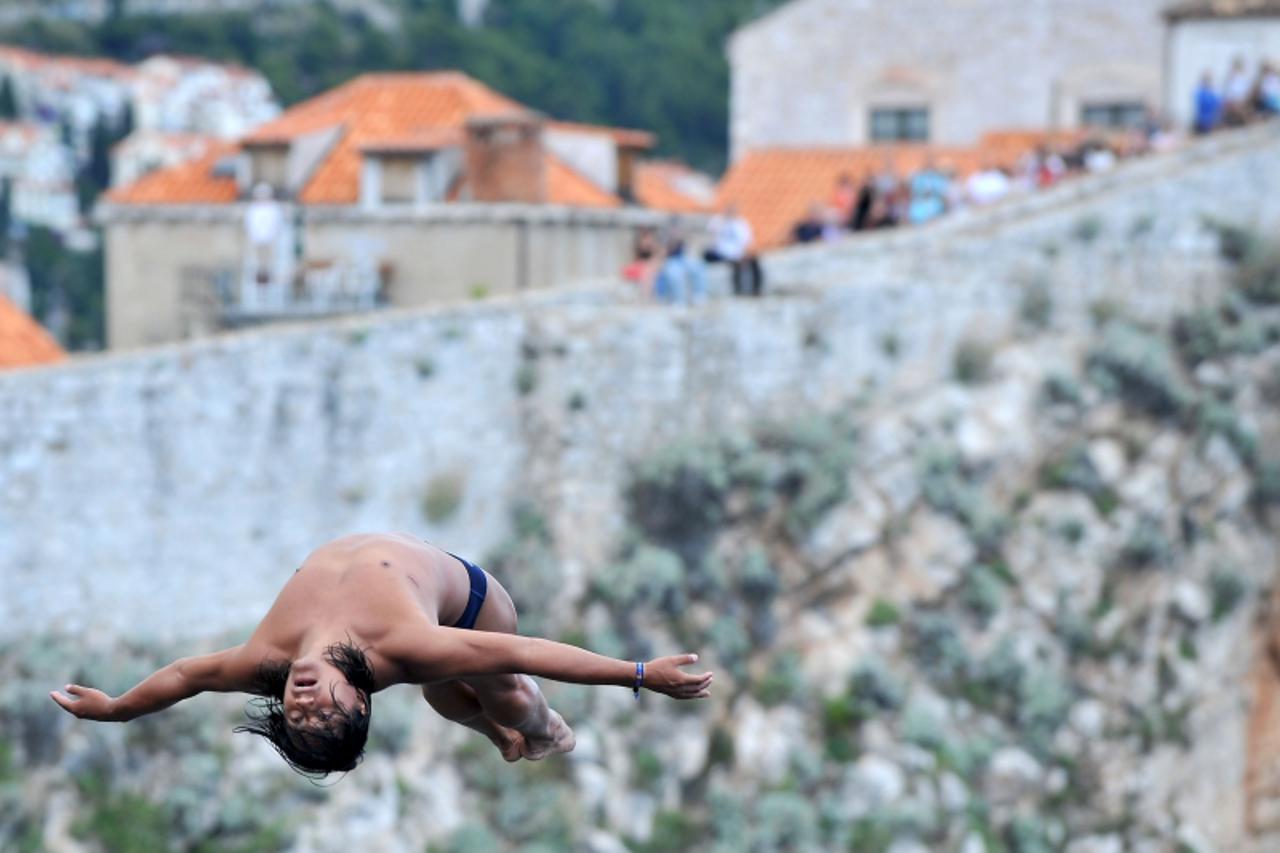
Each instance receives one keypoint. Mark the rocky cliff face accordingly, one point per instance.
(1028, 608)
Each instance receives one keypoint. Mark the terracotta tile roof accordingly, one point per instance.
(1223, 9)
(32, 60)
(23, 341)
(667, 185)
(374, 112)
(375, 107)
(432, 139)
(624, 136)
(192, 182)
(569, 187)
(774, 187)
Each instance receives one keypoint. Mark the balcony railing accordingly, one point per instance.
(223, 297)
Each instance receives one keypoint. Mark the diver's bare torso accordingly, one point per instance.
(368, 584)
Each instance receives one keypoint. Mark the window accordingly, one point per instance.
(1122, 114)
(899, 124)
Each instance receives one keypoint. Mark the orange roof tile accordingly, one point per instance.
(373, 112)
(432, 139)
(30, 59)
(192, 182)
(23, 341)
(569, 187)
(667, 185)
(375, 107)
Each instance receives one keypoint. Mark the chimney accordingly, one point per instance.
(505, 158)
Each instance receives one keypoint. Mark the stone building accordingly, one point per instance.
(393, 189)
(852, 72)
(1207, 36)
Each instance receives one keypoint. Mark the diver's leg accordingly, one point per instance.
(456, 701)
(514, 701)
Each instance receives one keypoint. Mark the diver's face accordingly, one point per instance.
(311, 691)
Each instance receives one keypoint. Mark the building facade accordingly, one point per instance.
(853, 72)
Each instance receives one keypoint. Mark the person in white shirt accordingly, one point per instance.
(731, 239)
(263, 225)
(987, 185)
(730, 236)
(1235, 94)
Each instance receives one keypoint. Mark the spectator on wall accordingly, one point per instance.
(929, 188)
(860, 218)
(987, 185)
(681, 279)
(1098, 157)
(812, 227)
(1267, 99)
(731, 240)
(1235, 95)
(844, 198)
(645, 260)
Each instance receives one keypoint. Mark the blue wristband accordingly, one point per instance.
(639, 682)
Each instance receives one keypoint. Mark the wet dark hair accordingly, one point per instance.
(338, 746)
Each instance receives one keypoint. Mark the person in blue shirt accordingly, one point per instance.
(929, 189)
(1208, 105)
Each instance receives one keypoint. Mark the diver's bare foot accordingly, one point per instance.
(559, 738)
(509, 742)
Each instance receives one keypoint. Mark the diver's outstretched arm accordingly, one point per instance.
(224, 671)
(438, 653)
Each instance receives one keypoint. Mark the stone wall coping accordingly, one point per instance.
(108, 214)
(601, 292)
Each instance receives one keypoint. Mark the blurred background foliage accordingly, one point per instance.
(658, 65)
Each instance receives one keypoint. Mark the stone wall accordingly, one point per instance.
(170, 492)
(810, 72)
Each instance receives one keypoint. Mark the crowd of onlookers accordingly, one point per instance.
(885, 199)
(666, 270)
(1241, 99)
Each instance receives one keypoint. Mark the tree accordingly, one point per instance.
(8, 101)
(6, 215)
(125, 124)
(99, 166)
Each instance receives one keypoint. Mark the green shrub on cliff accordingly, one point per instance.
(649, 578)
(949, 489)
(677, 494)
(814, 456)
(971, 363)
(937, 647)
(1139, 368)
(1211, 333)
(1258, 275)
(1147, 546)
(1213, 417)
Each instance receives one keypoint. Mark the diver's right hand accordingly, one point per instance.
(88, 704)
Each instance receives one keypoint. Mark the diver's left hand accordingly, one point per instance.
(663, 675)
(88, 704)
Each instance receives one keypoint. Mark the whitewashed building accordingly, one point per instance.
(184, 94)
(41, 176)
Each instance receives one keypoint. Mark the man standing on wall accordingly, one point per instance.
(731, 240)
